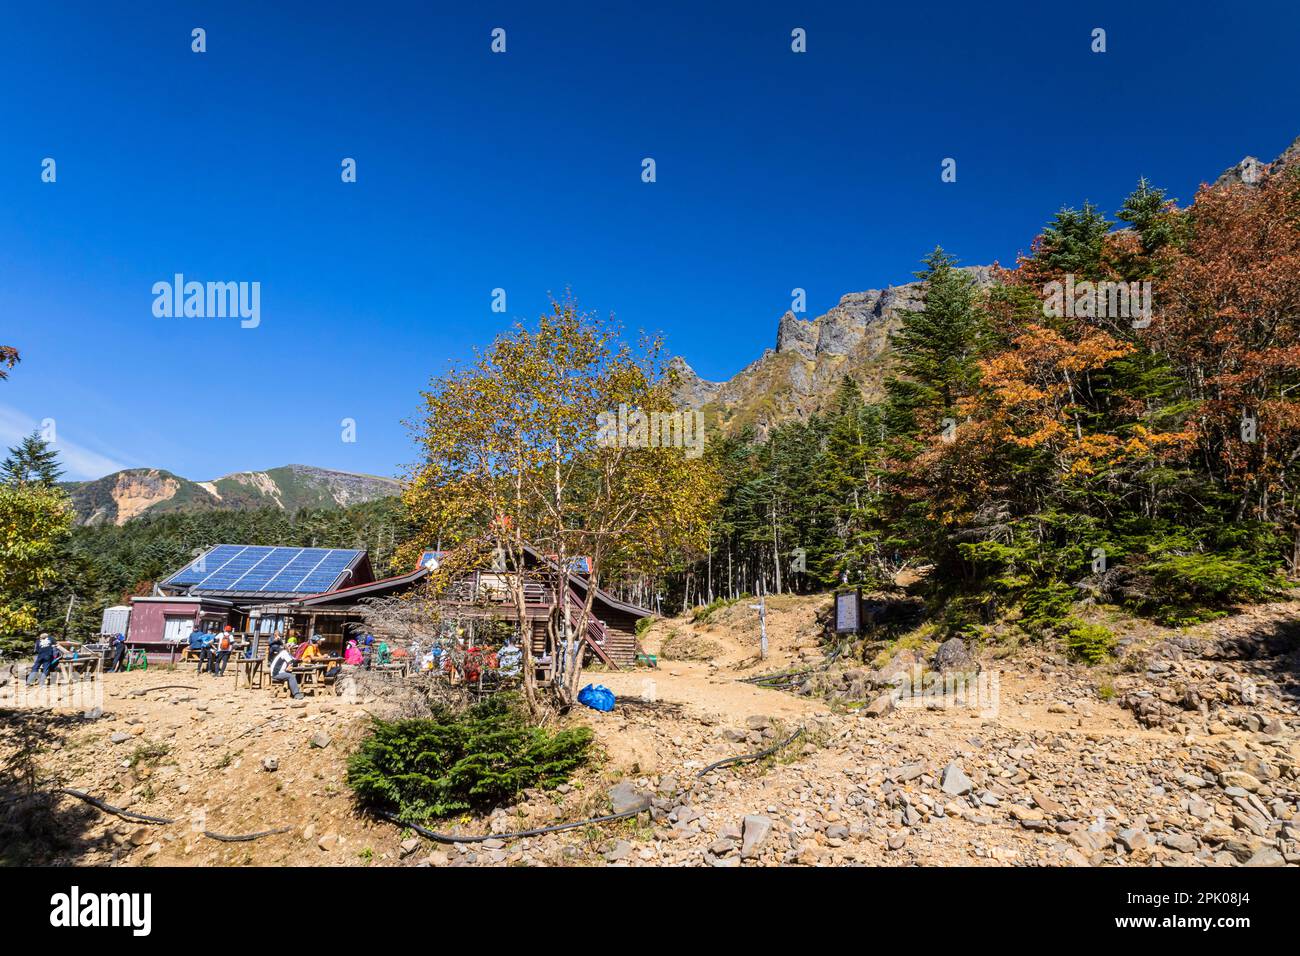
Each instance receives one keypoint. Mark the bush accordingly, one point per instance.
(1183, 584)
(1045, 608)
(455, 761)
(1090, 643)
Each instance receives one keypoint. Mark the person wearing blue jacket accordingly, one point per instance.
(201, 641)
(47, 654)
(119, 651)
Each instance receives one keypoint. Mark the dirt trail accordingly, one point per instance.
(1053, 755)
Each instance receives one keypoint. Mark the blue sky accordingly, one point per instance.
(522, 171)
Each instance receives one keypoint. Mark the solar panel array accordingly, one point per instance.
(265, 570)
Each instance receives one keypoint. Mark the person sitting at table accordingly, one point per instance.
(47, 655)
(367, 651)
(118, 647)
(311, 651)
(223, 645)
(282, 672)
(382, 654)
(352, 655)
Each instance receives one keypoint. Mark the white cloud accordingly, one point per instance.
(79, 462)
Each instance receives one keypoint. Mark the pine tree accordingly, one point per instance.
(31, 462)
(1152, 214)
(1075, 241)
(937, 347)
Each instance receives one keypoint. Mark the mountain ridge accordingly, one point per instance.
(133, 492)
(811, 357)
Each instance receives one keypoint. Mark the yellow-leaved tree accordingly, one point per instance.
(518, 460)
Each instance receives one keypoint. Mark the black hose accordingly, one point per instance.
(116, 811)
(452, 838)
(244, 837)
(749, 758)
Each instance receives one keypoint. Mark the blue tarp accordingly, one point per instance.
(597, 697)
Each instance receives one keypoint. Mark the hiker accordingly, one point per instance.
(312, 650)
(282, 672)
(197, 646)
(382, 654)
(118, 647)
(208, 653)
(223, 646)
(47, 655)
(352, 654)
(367, 651)
(510, 659)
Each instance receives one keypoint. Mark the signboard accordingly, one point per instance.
(848, 613)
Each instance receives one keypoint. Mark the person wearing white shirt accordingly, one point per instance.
(282, 670)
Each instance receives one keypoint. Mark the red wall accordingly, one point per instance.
(148, 618)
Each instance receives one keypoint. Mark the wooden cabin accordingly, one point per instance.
(481, 603)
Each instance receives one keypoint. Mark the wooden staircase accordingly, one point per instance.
(596, 632)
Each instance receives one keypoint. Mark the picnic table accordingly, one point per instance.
(312, 675)
(79, 666)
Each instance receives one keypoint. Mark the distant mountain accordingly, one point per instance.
(799, 376)
(123, 495)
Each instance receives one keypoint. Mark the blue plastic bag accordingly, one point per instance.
(597, 697)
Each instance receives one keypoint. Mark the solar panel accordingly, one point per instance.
(257, 569)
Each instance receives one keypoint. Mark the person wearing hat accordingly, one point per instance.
(282, 671)
(224, 644)
(47, 654)
(118, 648)
(312, 650)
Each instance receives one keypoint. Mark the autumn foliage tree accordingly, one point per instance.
(513, 458)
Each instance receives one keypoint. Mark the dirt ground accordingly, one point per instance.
(1059, 772)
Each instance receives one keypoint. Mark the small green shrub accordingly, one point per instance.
(422, 768)
(1046, 608)
(1090, 643)
(1185, 585)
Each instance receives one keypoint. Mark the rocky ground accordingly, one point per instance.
(1186, 751)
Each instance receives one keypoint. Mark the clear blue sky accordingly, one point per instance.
(522, 171)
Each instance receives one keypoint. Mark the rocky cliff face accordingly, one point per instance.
(123, 495)
(811, 357)
(1251, 171)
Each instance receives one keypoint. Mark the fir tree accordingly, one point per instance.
(31, 462)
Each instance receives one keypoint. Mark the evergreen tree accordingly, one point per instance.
(31, 462)
(1075, 241)
(1152, 215)
(937, 347)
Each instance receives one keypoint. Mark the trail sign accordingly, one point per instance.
(848, 612)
